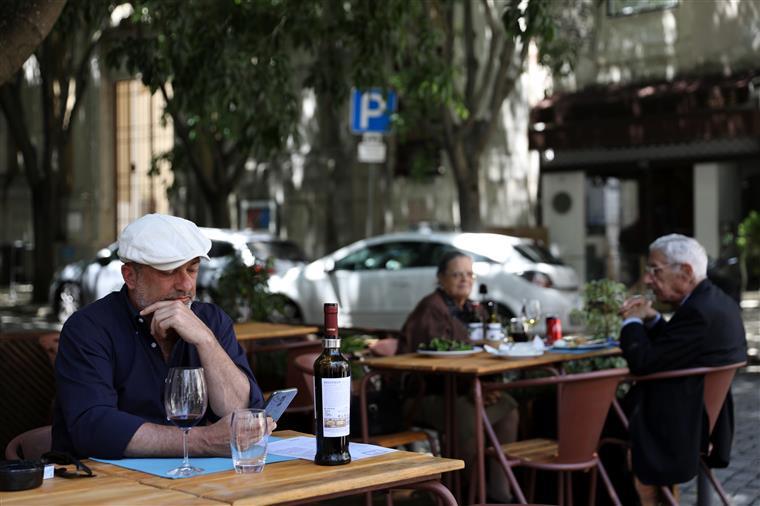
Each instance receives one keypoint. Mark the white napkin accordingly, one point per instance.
(538, 343)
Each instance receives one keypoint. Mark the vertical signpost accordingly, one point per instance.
(370, 116)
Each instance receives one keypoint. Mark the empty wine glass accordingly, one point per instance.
(185, 402)
(531, 313)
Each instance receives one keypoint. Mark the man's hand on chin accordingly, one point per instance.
(176, 315)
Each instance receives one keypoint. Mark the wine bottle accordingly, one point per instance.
(483, 290)
(332, 396)
(493, 313)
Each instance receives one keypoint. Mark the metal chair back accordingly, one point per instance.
(30, 445)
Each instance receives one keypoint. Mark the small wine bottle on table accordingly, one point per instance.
(332, 396)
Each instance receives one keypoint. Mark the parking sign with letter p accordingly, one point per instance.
(371, 110)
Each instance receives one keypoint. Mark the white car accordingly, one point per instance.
(79, 283)
(378, 281)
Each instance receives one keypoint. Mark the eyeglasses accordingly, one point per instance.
(654, 270)
(462, 275)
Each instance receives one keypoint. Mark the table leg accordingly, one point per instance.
(477, 399)
(453, 480)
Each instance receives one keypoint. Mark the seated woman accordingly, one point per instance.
(446, 313)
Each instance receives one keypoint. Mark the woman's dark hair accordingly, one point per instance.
(447, 257)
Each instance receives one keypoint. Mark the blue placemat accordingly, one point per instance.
(159, 466)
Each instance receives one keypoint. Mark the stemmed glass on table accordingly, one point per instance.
(185, 402)
(531, 314)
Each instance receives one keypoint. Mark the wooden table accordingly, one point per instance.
(101, 489)
(295, 481)
(257, 331)
(474, 367)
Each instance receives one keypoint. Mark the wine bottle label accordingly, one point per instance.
(332, 342)
(336, 406)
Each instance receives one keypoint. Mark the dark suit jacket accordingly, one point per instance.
(668, 422)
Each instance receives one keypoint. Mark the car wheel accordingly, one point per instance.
(68, 301)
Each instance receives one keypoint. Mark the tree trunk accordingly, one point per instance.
(333, 160)
(44, 217)
(469, 205)
(21, 31)
(465, 165)
(220, 213)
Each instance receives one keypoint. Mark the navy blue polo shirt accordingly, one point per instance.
(110, 375)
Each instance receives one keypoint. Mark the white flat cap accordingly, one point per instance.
(163, 242)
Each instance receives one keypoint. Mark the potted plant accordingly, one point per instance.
(601, 302)
(748, 241)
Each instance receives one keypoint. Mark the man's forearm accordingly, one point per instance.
(153, 440)
(228, 387)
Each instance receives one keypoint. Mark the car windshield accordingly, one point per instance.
(284, 250)
(537, 253)
(221, 249)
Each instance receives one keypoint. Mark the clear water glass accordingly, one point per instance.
(248, 440)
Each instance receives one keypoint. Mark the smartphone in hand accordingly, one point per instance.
(278, 402)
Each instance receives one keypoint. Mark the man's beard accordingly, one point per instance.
(143, 301)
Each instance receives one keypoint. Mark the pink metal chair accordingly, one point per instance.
(717, 385)
(29, 445)
(583, 401)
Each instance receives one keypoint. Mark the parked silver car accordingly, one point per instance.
(378, 281)
(77, 284)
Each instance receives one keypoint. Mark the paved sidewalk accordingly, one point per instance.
(741, 479)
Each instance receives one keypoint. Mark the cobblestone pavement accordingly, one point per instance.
(741, 479)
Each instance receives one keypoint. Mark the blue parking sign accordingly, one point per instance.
(371, 110)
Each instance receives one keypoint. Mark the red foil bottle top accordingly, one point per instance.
(331, 319)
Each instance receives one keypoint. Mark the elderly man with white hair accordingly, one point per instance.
(706, 329)
(114, 354)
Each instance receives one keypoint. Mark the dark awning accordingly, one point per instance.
(682, 111)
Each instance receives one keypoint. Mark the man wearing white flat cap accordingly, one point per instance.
(115, 353)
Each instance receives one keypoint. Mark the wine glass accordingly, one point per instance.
(531, 313)
(185, 402)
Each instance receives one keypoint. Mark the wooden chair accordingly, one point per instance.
(716, 387)
(583, 401)
(30, 445)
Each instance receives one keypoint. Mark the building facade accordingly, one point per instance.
(657, 131)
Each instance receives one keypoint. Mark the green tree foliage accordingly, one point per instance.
(232, 72)
(226, 72)
(748, 241)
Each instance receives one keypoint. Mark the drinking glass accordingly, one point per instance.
(531, 313)
(517, 330)
(185, 402)
(248, 440)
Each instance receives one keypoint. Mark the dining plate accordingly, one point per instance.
(456, 353)
(520, 352)
(584, 347)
